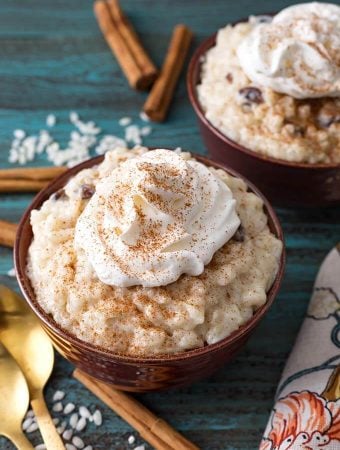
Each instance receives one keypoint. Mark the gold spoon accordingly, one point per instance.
(14, 400)
(30, 346)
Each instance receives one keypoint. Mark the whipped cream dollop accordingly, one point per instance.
(155, 217)
(297, 52)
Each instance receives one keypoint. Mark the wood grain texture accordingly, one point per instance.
(53, 58)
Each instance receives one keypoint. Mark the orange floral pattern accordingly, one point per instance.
(304, 421)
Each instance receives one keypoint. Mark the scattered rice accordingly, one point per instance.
(70, 447)
(74, 117)
(145, 131)
(109, 142)
(78, 442)
(23, 150)
(33, 427)
(27, 422)
(61, 428)
(69, 408)
(143, 116)
(40, 447)
(44, 140)
(51, 120)
(82, 141)
(19, 134)
(11, 272)
(58, 395)
(83, 127)
(57, 407)
(67, 434)
(124, 121)
(97, 418)
(133, 135)
(77, 422)
(81, 424)
(84, 412)
(74, 420)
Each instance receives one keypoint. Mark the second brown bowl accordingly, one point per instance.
(128, 373)
(284, 183)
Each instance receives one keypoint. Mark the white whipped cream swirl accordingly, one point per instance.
(154, 218)
(297, 53)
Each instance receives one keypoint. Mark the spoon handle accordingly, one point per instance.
(19, 440)
(48, 431)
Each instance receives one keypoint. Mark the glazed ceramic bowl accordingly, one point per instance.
(284, 183)
(129, 373)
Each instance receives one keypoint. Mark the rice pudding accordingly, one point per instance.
(151, 253)
(273, 84)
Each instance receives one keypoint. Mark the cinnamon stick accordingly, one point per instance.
(123, 41)
(7, 233)
(159, 99)
(31, 173)
(19, 185)
(148, 68)
(154, 430)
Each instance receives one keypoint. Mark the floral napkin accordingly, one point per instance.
(306, 414)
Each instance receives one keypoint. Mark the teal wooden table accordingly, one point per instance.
(53, 59)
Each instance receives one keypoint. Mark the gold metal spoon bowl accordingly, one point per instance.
(14, 400)
(23, 336)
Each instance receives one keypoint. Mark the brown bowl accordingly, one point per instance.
(129, 373)
(284, 183)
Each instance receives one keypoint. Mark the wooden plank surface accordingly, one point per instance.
(54, 59)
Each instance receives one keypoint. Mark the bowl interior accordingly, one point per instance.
(23, 241)
(193, 79)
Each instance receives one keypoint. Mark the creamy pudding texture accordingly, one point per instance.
(232, 250)
(273, 84)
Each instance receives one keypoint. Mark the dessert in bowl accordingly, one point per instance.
(149, 268)
(266, 92)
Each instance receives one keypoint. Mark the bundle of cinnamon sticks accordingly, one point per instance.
(137, 66)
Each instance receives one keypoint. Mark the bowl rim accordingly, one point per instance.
(50, 324)
(193, 69)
